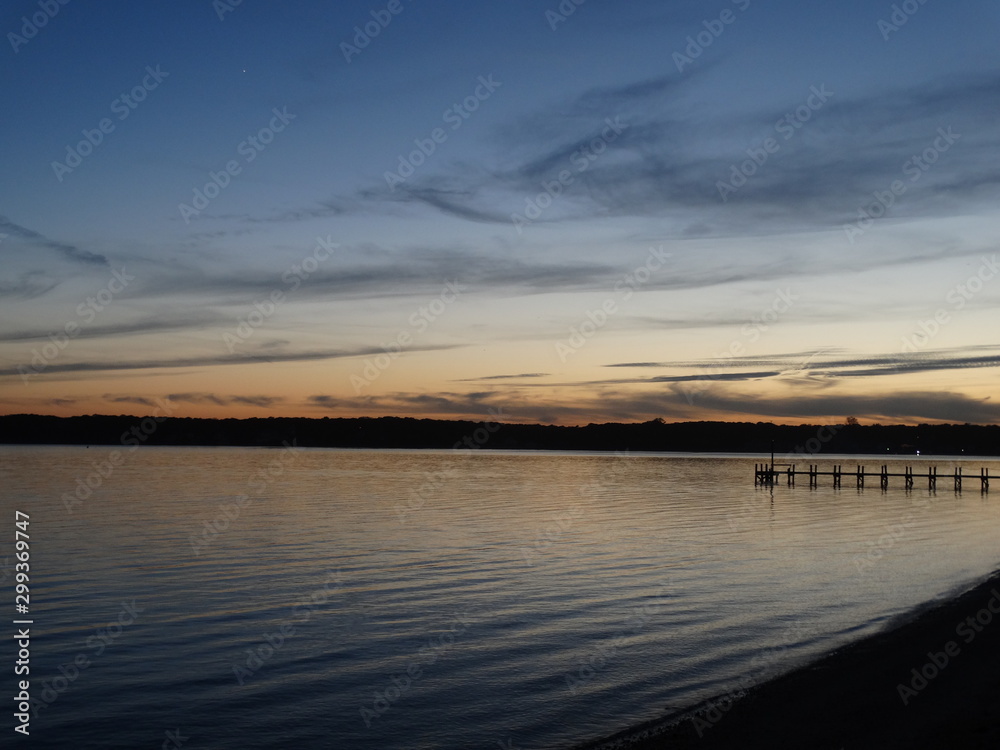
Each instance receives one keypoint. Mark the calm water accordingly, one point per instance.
(383, 599)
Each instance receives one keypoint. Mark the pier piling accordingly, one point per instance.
(767, 474)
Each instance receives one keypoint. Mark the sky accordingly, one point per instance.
(527, 210)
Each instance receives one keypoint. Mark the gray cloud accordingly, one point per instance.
(168, 322)
(27, 285)
(673, 403)
(414, 272)
(71, 252)
(820, 368)
(328, 402)
(235, 359)
(323, 209)
(455, 202)
(475, 405)
(261, 401)
(420, 270)
(141, 400)
(906, 406)
(198, 398)
(219, 400)
(660, 165)
(505, 377)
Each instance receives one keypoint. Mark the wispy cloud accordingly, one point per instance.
(522, 376)
(222, 400)
(906, 406)
(167, 322)
(213, 361)
(414, 271)
(67, 250)
(461, 404)
(810, 365)
(140, 400)
(723, 402)
(27, 285)
(670, 159)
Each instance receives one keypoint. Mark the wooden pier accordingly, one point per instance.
(771, 474)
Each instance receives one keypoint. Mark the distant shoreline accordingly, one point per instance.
(795, 442)
(890, 458)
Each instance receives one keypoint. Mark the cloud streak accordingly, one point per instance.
(67, 250)
(157, 324)
(215, 361)
(810, 364)
(668, 161)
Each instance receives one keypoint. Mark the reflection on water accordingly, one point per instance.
(390, 599)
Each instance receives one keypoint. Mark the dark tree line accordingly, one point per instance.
(404, 432)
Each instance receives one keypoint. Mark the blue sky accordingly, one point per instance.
(688, 210)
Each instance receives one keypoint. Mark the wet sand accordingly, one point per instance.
(866, 695)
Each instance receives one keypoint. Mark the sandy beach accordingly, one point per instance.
(933, 682)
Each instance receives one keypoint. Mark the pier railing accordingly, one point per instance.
(771, 474)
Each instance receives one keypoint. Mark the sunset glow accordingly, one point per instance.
(755, 211)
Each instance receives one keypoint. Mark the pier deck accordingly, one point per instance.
(770, 474)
